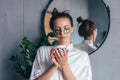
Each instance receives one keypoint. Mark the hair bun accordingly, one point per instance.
(79, 19)
(55, 11)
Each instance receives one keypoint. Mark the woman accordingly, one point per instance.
(88, 30)
(54, 64)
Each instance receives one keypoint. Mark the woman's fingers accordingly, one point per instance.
(52, 52)
(55, 62)
(59, 57)
(61, 52)
(66, 52)
(52, 55)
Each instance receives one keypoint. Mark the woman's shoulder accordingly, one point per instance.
(44, 49)
(80, 51)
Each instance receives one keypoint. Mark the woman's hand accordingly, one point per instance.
(52, 55)
(61, 57)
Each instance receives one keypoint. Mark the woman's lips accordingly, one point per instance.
(62, 37)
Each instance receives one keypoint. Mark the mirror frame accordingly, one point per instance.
(108, 13)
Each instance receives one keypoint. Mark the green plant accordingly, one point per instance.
(51, 34)
(22, 63)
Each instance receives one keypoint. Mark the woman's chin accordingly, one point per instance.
(63, 42)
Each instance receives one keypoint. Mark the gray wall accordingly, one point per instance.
(106, 60)
(18, 19)
(11, 31)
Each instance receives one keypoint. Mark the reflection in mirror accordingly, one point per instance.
(95, 10)
(88, 30)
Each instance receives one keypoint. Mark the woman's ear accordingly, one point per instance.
(94, 33)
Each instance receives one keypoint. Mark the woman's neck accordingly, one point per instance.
(66, 43)
(89, 38)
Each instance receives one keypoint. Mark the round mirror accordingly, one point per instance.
(95, 10)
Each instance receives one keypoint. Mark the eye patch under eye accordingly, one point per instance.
(66, 30)
(58, 31)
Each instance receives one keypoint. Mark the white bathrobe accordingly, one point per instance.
(87, 46)
(78, 61)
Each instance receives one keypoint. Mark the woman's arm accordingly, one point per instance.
(48, 74)
(62, 57)
(68, 73)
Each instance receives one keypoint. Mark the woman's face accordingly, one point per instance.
(63, 30)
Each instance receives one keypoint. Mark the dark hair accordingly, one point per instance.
(56, 15)
(86, 27)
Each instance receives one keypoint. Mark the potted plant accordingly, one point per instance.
(23, 62)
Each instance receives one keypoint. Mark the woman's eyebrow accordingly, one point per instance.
(66, 25)
(57, 28)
